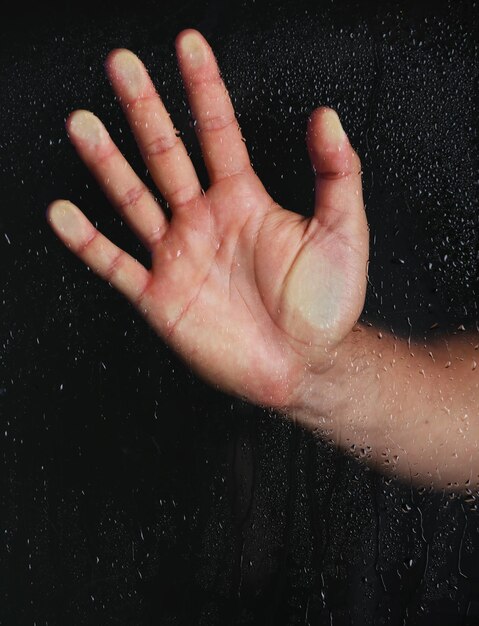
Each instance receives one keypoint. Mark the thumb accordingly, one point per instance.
(338, 191)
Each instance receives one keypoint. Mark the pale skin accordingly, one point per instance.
(260, 301)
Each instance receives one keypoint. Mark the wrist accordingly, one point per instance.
(342, 398)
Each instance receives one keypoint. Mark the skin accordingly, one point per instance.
(260, 301)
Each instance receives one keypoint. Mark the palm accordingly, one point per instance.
(247, 292)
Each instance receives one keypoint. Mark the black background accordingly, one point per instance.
(134, 494)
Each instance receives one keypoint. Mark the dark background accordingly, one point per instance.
(134, 494)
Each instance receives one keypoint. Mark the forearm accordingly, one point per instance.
(408, 409)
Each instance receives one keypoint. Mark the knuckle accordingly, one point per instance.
(160, 145)
(131, 198)
(140, 102)
(142, 298)
(114, 266)
(86, 244)
(218, 122)
(202, 83)
(104, 155)
(183, 195)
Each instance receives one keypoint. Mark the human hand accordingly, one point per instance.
(249, 294)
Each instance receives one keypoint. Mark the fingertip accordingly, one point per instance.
(314, 122)
(318, 112)
(85, 127)
(48, 210)
(325, 126)
(69, 223)
(69, 122)
(52, 205)
(110, 58)
(192, 48)
(128, 75)
(81, 120)
(328, 144)
(117, 58)
(187, 32)
(56, 214)
(56, 209)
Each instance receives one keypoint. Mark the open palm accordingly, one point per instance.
(249, 294)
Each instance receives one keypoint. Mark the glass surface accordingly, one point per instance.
(133, 493)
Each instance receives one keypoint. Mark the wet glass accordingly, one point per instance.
(134, 493)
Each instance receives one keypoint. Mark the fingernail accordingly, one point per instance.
(63, 215)
(332, 129)
(193, 49)
(130, 70)
(86, 126)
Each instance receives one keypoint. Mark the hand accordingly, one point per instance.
(249, 294)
